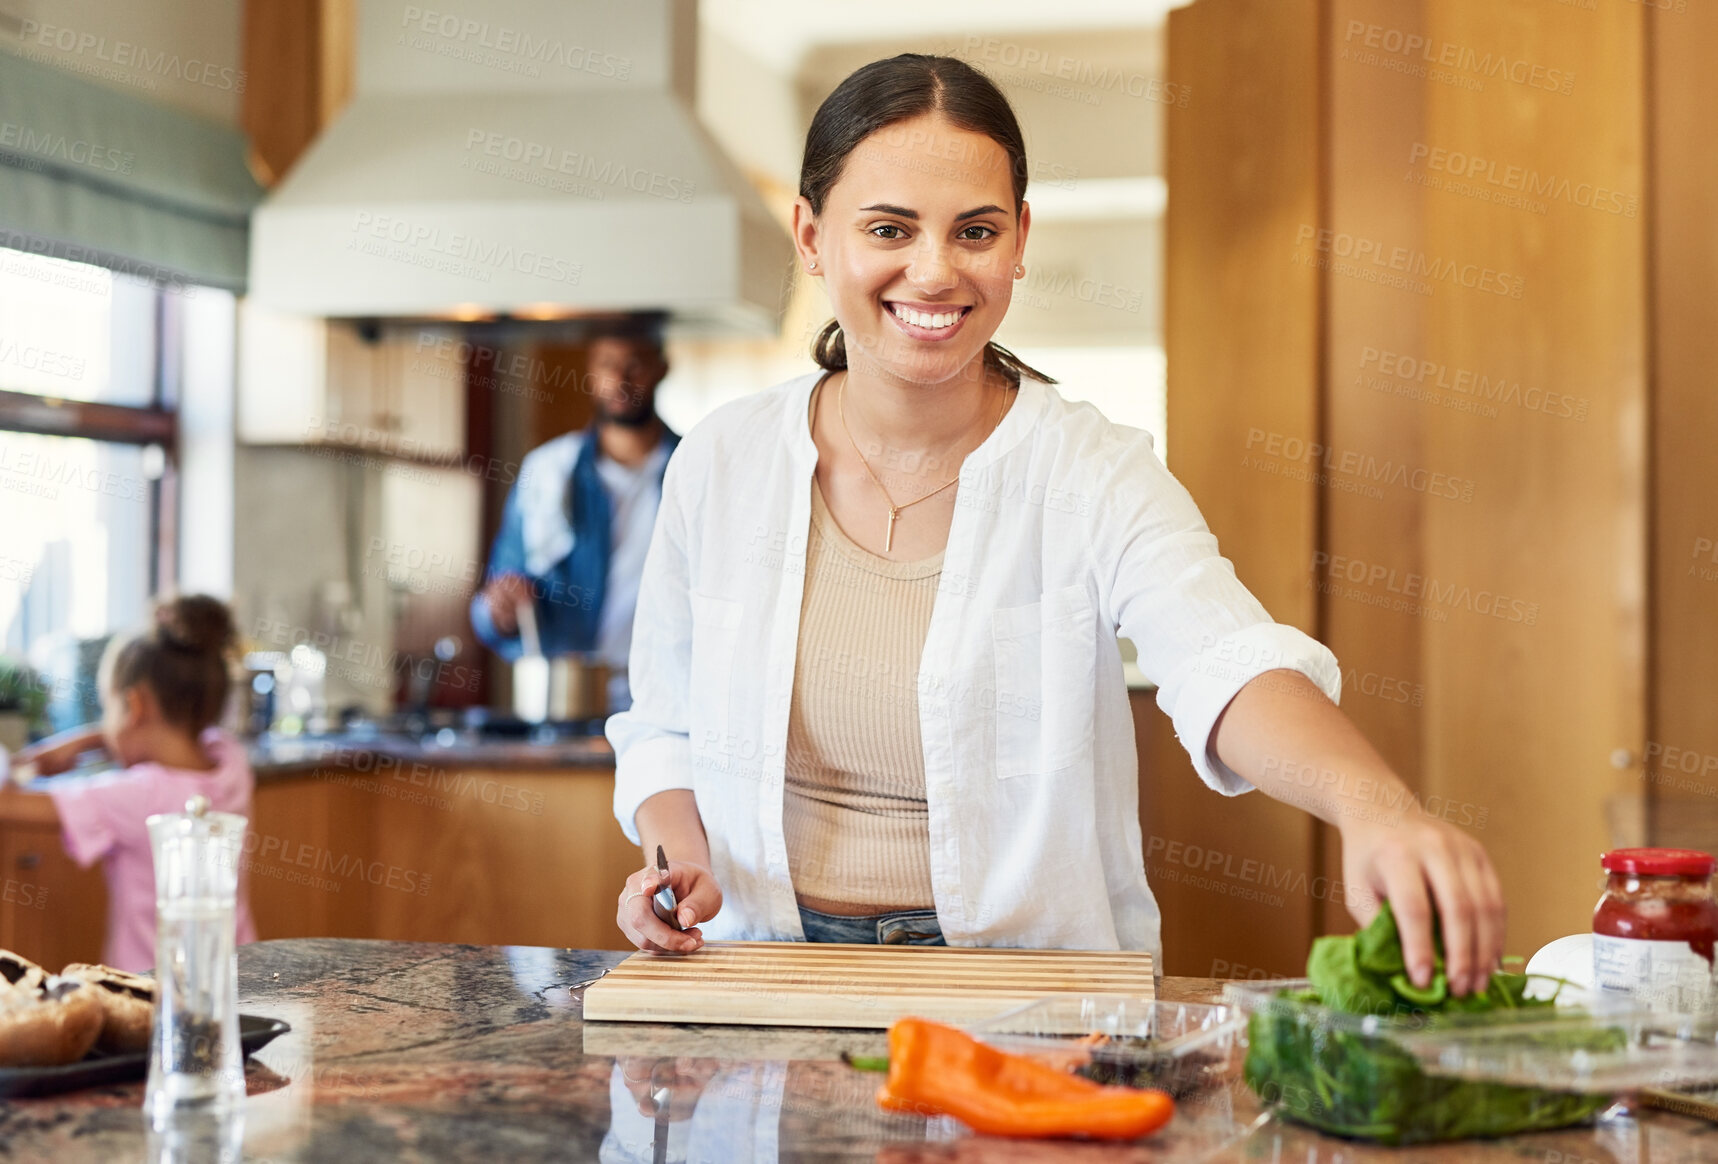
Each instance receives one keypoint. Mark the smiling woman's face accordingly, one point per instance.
(917, 244)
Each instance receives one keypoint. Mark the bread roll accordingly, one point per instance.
(19, 973)
(127, 1003)
(56, 1022)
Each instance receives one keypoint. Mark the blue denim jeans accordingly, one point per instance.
(907, 928)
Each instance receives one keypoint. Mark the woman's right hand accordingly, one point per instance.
(695, 889)
(681, 1082)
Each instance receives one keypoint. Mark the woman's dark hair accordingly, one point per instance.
(182, 659)
(881, 94)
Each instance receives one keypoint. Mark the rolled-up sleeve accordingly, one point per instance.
(1200, 633)
(652, 752)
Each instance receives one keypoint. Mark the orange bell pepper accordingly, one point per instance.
(938, 1070)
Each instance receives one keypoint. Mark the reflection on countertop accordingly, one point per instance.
(404, 1050)
(274, 756)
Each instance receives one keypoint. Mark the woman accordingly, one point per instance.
(877, 692)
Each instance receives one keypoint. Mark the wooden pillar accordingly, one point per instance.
(1523, 716)
(1431, 448)
(1681, 752)
(1242, 340)
(1372, 111)
(298, 75)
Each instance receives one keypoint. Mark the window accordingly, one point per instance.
(86, 441)
(1129, 385)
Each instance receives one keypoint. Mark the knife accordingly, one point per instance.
(663, 903)
(661, 1096)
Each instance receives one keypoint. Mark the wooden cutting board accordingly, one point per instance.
(820, 984)
(1701, 1102)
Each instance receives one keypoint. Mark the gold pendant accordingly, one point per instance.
(889, 538)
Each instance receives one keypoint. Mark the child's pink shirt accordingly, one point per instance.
(102, 819)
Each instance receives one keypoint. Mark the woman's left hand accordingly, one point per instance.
(1280, 728)
(1413, 860)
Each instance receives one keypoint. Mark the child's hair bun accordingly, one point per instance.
(183, 657)
(197, 623)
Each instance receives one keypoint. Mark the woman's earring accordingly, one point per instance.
(813, 266)
(1019, 270)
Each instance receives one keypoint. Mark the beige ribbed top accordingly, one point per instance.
(853, 808)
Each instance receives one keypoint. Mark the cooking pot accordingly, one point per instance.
(555, 688)
(559, 688)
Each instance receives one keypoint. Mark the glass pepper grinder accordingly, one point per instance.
(195, 1062)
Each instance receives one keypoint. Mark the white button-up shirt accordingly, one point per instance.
(1067, 530)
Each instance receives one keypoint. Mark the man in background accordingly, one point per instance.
(577, 523)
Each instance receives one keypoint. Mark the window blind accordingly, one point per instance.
(94, 175)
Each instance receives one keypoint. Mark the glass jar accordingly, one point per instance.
(1655, 927)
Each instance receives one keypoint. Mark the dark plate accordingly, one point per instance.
(96, 1070)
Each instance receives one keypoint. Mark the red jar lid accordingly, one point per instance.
(1659, 862)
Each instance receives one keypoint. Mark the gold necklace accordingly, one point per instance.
(895, 510)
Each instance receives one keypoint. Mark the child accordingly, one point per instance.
(162, 692)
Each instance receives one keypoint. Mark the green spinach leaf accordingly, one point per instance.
(1366, 1086)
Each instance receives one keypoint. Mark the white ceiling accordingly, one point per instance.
(781, 31)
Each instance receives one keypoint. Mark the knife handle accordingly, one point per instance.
(666, 909)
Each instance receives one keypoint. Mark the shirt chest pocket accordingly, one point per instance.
(1046, 671)
(715, 644)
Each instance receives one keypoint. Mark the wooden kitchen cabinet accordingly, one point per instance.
(300, 378)
(502, 857)
(283, 814)
(394, 851)
(51, 911)
(540, 864)
(422, 380)
(399, 391)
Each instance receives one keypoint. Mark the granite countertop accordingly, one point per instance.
(278, 756)
(416, 1051)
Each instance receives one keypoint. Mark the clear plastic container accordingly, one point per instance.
(1191, 1050)
(1177, 1047)
(1418, 1077)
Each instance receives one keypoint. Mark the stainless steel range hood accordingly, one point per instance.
(536, 159)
